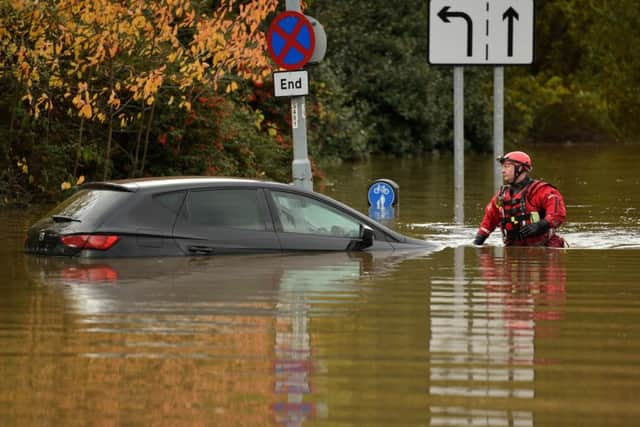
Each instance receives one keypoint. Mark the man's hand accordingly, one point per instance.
(534, 229)
(479, 240)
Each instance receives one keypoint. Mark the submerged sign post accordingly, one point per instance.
(383, 197)
(479, 32)
(291, 43)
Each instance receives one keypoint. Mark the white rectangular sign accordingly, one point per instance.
(481, 32)
(291, 83)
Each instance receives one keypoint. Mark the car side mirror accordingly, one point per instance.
(367, 235)
(364, 240)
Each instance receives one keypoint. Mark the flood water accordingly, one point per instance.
(460, 336)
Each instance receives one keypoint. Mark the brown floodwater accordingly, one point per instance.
(460, 335)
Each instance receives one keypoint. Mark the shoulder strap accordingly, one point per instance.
(536, 185)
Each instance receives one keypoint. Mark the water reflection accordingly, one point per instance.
(484, 328)
(294, 363)
(227, 335)
(504, 336)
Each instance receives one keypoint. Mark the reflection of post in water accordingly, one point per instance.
(293, 364)
(483, 331)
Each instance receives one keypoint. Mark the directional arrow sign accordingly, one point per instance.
(444, 15)
(481, 32)
(510, 14)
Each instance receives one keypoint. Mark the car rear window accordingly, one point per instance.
(89, 205)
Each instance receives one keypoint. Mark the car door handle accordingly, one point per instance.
(204, 250)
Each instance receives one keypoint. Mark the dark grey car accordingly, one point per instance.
(204, 216)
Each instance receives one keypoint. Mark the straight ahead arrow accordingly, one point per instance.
(510, 14)
(444, 14)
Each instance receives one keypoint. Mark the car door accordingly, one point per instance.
(225, 220)
(305, 223)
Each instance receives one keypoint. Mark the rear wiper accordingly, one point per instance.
(63, 218)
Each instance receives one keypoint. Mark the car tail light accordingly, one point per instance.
(99, 242)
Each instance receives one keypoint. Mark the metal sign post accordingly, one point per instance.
(294, 40)
(458, 143)
(498, 123)
(301, 166)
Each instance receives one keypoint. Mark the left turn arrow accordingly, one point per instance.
(444, 14)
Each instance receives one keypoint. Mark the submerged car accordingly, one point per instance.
(204, 216)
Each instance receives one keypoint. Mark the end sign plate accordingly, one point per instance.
(481, 32)
(291, 83)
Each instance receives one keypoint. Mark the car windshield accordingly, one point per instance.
(88, 206)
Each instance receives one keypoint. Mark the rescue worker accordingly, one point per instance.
(528, 211)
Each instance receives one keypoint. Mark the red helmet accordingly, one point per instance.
(517, 157)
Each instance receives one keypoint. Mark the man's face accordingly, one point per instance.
(508, 172)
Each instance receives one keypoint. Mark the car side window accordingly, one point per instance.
(171, 201)
(301, 214)
(234, 208)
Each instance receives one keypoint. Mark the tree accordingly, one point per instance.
(584, 84)
(108, 64)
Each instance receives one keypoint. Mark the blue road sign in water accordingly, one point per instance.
(290, 40)
(382, 194)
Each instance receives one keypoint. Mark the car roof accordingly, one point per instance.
(170, 183)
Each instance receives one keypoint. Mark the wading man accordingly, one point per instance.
(528, 211)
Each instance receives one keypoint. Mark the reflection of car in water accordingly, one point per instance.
(240, 322)
(204, 216)
(125, 281)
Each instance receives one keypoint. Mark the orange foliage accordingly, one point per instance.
(100, 54)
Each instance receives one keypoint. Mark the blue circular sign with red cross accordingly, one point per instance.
(290, 40)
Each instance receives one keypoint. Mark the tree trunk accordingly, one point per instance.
(78, 148)
(136, 157)
(107, 155)
(146, 138)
